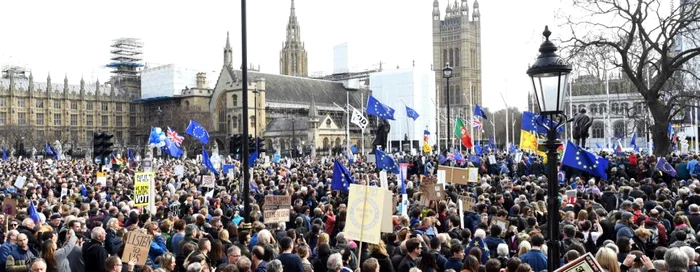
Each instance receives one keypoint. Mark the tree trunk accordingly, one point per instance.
(659, 131)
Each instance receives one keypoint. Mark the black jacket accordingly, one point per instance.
(95, 256)
(34, 243)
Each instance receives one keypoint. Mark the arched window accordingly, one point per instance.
(624, 107)
(639, 124)
(615, 108)
(452, 57)
(458, 95)
(456, 57)
(337, 142)
(326, 143)
(444, 57)
(598, 129)
(235, 122)
(187, 105)
(593, 108)
(603, 108)
(235, 100)
(221, 108)
(619, 129)
(240, 121)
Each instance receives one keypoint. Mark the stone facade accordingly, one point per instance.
(37, 112)
(457, 41)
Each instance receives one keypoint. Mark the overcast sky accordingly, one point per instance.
(73, 36)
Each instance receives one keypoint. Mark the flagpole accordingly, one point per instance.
(504, 102)
(471, 112)
(347, 124)
(493, 124)
(362, 97)
(607, 92)
(571, 110)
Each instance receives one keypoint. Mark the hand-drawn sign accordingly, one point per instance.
(136, 245)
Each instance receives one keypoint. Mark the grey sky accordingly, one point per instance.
(72, 37)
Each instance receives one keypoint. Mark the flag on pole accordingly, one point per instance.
(426, 145)
(197, 131)
(479, 112)
(476, 123)
(461, 132)
(411, 113)
(376, 108)
(358, 119)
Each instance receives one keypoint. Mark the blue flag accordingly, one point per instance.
(341, 177)
(276, 158)
(598, 146)
(172, 149)
(579, 158)
(33, 214)
(665, 167)
(533, 122)
(252, 158)
(49, 151)
(411, 113)
(479, 112)
(633, 142)
(512, 149)
(492, 143)
(385, 162)
(129, 154)
(207, 161)
(477, 149)
(670, 130)
(197, 131)
(4, 154)
(378, 109)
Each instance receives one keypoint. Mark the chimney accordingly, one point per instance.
(201, 80)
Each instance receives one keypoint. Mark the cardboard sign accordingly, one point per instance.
(467, 203)
(278, 200)
(456, 175)
(9, 206)
(276, 215)
(142, 187)
(585, 263)
(147, 165)
(20, 181)
(208, 181)
(501, 223)
(136, 245)
(387, 223)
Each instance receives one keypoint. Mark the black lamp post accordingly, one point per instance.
(550, 77)
(447, 74)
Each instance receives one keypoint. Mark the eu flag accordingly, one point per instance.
(537, 123)
(4, 154)
(492, 143)
(49, 151)
(477, 150)
(411, 113)
(479, 112)
(376, 108)
(207, 161)
(197, 131)
(665, 167)
(252, 158)
(341, 177)
(171, 148)
(385, 162)
(579, 158)
(33, 214)
(130, 154)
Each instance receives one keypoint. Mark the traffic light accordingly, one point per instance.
(235, 144)
(251, 144)
(101, 146)
(261, 144)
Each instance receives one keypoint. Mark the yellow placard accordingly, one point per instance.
(142, 184)
(365, 212)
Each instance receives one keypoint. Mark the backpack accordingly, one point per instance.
(653, 241)
(590, 245)
(696, 169)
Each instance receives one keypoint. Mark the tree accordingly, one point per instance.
(499, 120)
(646, 47)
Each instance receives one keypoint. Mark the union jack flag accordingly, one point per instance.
(174, 137)
(477, 124)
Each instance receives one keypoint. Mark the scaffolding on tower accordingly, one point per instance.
(126, 59)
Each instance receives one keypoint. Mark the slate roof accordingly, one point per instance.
(298, 90)
(285, 125)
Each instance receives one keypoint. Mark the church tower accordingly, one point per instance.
(228, 52)
(457, 41)
(293, 61)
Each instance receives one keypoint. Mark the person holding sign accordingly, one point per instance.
(57, 259)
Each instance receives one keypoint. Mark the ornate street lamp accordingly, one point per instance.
(447, 74)
(550, 77)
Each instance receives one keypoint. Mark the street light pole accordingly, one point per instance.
(244, 99)
(550, 76)
(447, 74)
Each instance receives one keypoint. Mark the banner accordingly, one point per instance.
(142, 185)
(358, 119)
(364, 213)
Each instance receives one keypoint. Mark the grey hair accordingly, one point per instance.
(689, 251)
(502, 249)
(275, 266)
(335, 262)
(96, 232)
(194, 267)
(676, 260)
(233, 249)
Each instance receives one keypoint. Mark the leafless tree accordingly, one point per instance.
(644, 39)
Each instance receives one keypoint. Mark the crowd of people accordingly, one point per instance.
(638, 219)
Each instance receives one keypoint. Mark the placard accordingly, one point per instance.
(136, 245)
(9, 206)
(456, 175)
(467, 203)
(278, 200)
(20, 181)
(179, 170)
(147, 165)
(101, 178)
(364, 213)
(276, 215)
(142, 185)
(208, 181)
(501, 223)
(387, 223)
(585, 263)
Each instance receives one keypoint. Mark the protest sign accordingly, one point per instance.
(101, 178)
(142, 187)
(208, 181)
(136, 245)
(278, 200)
(364, 213)
(387, 223)
(276, 215)
(585, 263)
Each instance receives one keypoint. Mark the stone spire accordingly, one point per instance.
(476, 14)
(313, 112)
(48, 83)
(436, 10)
(65, 84)
(293, 60)
(228, 52)
(30, 88)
